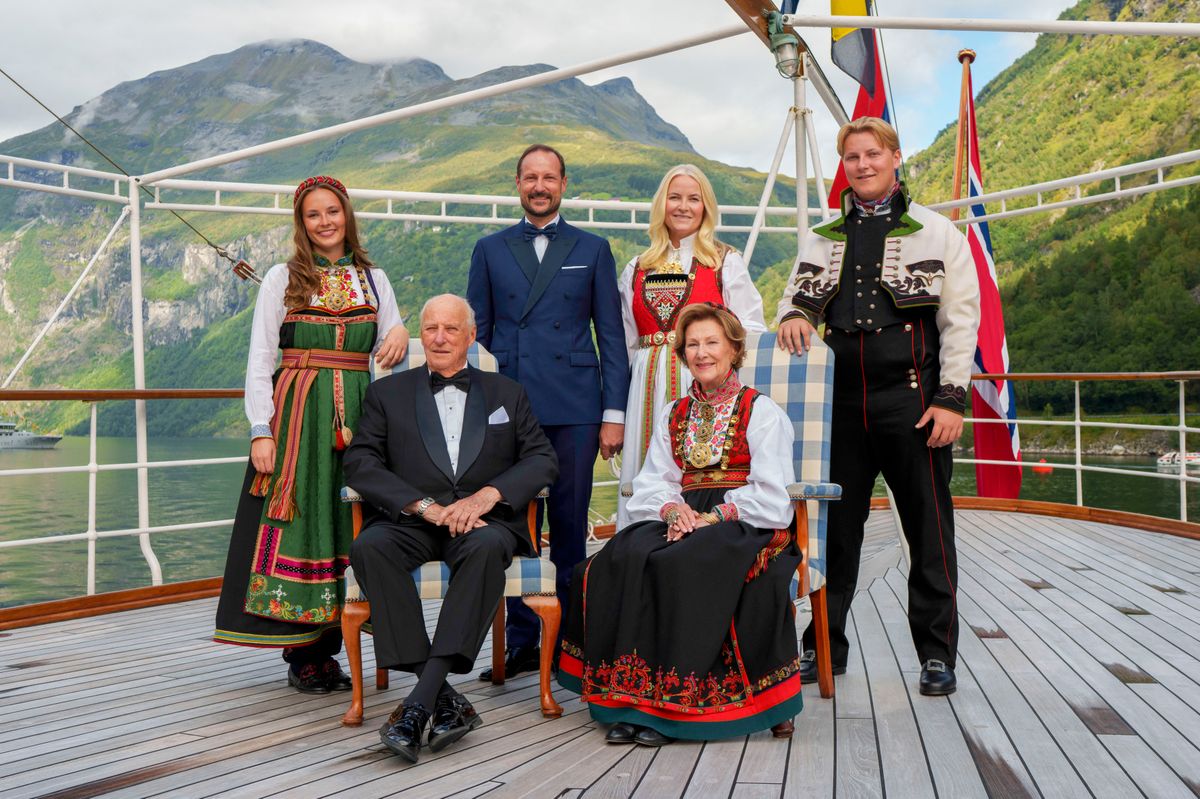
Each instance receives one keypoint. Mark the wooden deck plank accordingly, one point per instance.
(620, 781)
(1163, 738)
(995, 758)
(755, 790)
(857, 755)
(853, 696)
(1154, 778)
(715, 769)
(901, 753)
(765, 758)
(668, 775)
(951, 767)
(810, 764)
(572, 767)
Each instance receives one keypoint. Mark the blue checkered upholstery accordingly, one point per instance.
(524, 576)
(803, 387)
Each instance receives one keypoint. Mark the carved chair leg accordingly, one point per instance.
(354, 615)
(550, 612)
(498, 645)
(820, 613)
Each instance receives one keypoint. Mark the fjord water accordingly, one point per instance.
(47, 505)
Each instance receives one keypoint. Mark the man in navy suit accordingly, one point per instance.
(537, 289)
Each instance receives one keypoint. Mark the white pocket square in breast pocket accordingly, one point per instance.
(499, 416)
(581, 266)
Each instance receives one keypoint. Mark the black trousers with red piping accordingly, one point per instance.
(883, 382)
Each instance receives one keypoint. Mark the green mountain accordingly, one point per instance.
(1108, 286)
(197, 316)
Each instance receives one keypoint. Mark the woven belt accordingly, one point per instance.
(656, 339)
(326, 359)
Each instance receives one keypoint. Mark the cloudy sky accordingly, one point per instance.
(725, 96)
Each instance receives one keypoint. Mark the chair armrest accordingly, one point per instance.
(348, 494)
(817, 491)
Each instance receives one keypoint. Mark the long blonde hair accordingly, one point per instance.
(707, 249)
(303, 276)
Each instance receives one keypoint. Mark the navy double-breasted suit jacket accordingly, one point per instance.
(537, 318)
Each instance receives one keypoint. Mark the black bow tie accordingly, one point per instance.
(461, 381)
(531, 232)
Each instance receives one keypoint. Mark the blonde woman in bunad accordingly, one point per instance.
(328, 309)
(684, 264)
(682, 626)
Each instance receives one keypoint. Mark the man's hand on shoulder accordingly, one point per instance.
(466, 514)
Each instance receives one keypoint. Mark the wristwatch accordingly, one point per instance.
(424, 505)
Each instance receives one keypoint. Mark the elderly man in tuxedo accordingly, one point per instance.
(447, 458)
(538, 289)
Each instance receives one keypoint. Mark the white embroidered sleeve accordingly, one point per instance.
(264, 349)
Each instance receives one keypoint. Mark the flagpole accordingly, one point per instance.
(965, 57)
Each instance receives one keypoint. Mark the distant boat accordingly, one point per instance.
(1171, 460)
(12, 438)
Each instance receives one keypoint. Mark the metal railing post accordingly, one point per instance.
(800, 104)
(91, 528)
(139, 378)
(760, 215)
(1078, 449)
(1183, 514)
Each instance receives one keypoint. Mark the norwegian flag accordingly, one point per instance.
(990, 399)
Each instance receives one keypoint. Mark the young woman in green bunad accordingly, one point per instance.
(327, 310)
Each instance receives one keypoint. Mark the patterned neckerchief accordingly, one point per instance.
(719, 395)
(875, 207)
(323, 262)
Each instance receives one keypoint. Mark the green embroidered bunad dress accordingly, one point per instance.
(291, 538)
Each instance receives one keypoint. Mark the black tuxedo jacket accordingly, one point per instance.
(398, 454)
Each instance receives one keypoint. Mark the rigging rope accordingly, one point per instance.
(240, 267)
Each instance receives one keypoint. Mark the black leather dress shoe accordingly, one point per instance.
(453, 717)
(621, 733)
(808, 666)
(402, 731)
(648, 737)
(308, 679)
(937, 679)
(334, 677)
(518, 660)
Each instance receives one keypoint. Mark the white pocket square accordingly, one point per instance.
(499, 416)
(582, 266)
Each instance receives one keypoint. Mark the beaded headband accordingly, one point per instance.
(320, 180)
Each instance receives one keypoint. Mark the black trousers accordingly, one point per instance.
(883, 382)
(383, 556)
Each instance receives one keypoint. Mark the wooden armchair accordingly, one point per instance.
(532, 579)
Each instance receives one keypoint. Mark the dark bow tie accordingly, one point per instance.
(461, 381)
(531, 232)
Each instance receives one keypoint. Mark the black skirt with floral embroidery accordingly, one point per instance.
(695, 638)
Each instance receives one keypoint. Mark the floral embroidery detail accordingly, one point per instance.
(726, 512)
(260, 431)
(630, 678)
(258, 584)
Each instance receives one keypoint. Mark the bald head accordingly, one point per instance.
(447, 332)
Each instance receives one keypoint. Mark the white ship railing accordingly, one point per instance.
(125, 191)
(144, 530)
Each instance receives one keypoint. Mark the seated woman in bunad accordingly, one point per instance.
(683, 626)
(328, 309)
(684, 264)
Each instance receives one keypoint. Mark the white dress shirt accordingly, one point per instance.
(541, 243)
(451, 403)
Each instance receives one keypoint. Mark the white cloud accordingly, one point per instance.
(725, 96)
